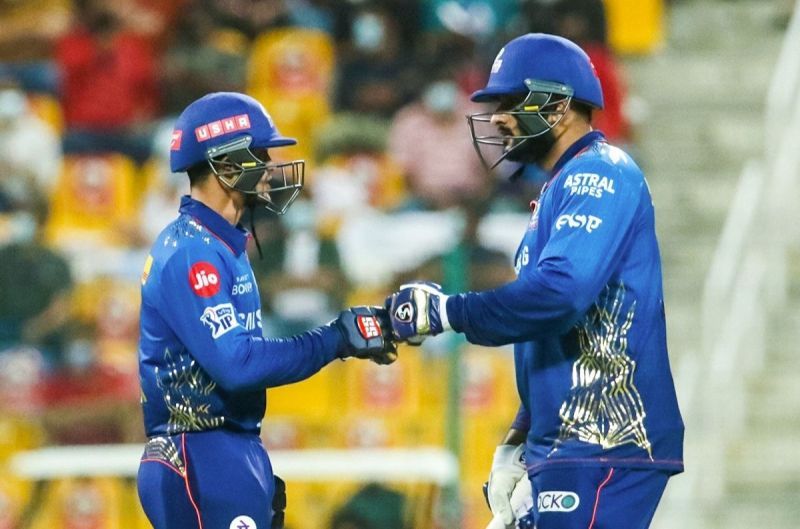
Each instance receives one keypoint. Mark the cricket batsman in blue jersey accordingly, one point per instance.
(203, 362)
(598, 432)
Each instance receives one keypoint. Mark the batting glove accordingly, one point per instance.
(418, 310)
(508, 467)
(367, 334)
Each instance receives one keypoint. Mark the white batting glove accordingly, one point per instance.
(508, 467)
(521, 503)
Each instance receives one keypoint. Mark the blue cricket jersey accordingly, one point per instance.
(203, 361)
(586, 317)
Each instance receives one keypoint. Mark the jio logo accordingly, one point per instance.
(204, 279)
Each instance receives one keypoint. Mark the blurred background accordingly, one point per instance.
(704, 93)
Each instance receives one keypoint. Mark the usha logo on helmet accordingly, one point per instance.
(222, 126)
(230, 132)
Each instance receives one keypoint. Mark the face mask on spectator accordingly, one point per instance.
(368, 32)
(12, 105)
(440, 97)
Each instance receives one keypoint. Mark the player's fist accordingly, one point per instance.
(367, 333)
(508, 468)
(417, 310)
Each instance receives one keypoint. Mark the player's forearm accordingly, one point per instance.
(514, 437)
(259, 363)
(525, 309)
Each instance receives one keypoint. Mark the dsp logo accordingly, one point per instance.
(204, 279)
(369, 327)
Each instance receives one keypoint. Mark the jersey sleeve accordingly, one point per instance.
(586, 236)
(196, 302)
(522, 421)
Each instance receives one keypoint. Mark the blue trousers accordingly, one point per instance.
(206, 480)
(596, 497)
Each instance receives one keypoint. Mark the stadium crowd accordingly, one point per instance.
(375, 91)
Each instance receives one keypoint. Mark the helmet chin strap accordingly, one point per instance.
(251, 206)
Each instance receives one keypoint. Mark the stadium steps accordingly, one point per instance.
(763, 478)
(702, 118)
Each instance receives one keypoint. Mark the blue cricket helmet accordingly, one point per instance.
(542, 57)
(218, 119)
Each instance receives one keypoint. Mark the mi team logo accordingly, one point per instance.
(557, 501)
(220, 319)
(498, 61)
(369, 327)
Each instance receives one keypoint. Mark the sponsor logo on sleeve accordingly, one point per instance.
(220, 319)
(251, 320)
(242, 285)
(523, 258)
(557, 501)
(204, 279)
(587, 222)
(368, 326)
(590, 184)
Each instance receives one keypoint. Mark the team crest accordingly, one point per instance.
(220, 319)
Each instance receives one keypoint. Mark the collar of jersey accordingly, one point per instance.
(576, 148)
(234, 237)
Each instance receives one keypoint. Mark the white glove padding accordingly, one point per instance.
(508, 467)
(521, 503)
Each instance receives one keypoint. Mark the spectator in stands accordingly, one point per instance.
(30, 30)
(247, 17)
(376, 73)
(109, 91)
(198, 60)
(485, 268)
(355, 173)
(480, 20)
(34, 308)
(584, 22)
(30, 160)
(291, 71)
(300, 277)
(423, 130)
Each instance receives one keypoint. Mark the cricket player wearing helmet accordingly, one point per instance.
(599, 431)
(203, 362)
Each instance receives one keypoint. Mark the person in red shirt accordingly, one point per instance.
(109, 90)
